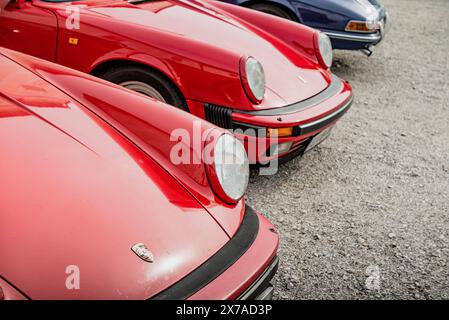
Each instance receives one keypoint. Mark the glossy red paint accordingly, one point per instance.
(229, 284)
(135, 119)
(305, 116)
(86, 175)
(198, 45)
(22, 21)
(8, 292)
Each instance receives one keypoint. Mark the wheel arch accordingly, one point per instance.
(161, 69)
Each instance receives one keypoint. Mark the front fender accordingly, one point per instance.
(153, 62)
(198, 69)
(334, 14)
(299, 38)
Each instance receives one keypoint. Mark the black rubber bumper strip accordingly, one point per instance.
(303, 128)
(323, 122)
(334, 88)
(218, 263)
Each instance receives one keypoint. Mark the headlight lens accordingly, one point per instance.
(253, 77)
(230, 173)
(325, 50)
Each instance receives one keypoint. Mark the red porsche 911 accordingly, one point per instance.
(260, 75)
(93, 207)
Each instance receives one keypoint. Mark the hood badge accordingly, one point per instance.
(143, 252)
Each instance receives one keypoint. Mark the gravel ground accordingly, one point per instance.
(366, 214)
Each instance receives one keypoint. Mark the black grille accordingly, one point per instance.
(219, 116)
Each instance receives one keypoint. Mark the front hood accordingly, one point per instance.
(74, 192)
(367, 8)
(201, 24)
(357, 9)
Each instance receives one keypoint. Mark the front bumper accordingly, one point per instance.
(242, 269)
(308, 119)
(370, 38)
(262, 289)
(359, 41)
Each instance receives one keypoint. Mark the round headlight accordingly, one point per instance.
(253, 78)
(324, 50)
(229, 172)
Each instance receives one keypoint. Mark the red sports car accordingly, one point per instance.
(92, 207)
(237, 68)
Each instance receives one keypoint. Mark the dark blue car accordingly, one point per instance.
(351, 24)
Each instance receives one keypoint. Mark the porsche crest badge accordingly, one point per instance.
(143, 252)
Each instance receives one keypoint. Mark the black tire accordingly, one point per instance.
(273, 10)
(139, 74)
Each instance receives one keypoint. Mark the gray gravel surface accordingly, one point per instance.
(366, 214)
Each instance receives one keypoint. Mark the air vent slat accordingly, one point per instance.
(220, 116)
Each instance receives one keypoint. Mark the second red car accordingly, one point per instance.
(237, 68)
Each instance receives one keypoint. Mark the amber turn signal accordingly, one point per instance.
(279, 132)
(362, 26)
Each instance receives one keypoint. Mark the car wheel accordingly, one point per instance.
(273, 10)
(147, 82)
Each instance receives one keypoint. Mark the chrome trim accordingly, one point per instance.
(387, 23)
(265, 277)
(267, 294)
(372, 37)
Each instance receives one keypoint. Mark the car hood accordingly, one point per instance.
(353, 9)
(75, 195)
(202, 24)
